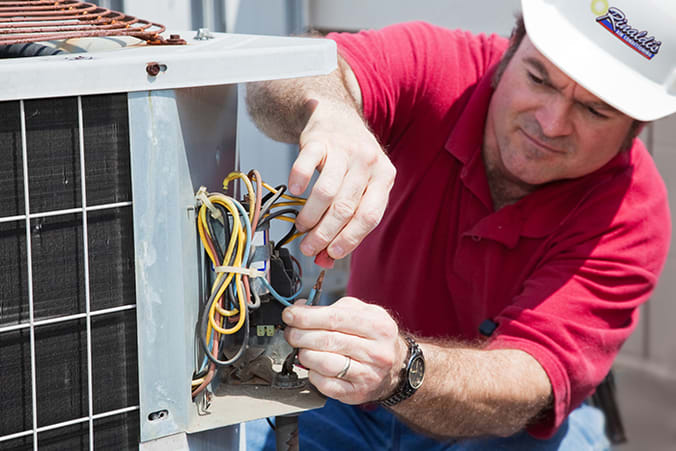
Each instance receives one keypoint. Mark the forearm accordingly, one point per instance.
(473, 392)
(282, 108)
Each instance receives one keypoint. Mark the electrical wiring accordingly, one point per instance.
(226, 229)
(271, 198)
(284, 300)
(278, 214)
(315, 294)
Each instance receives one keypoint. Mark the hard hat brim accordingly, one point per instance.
(584, 61)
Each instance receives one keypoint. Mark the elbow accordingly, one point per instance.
(265, 113)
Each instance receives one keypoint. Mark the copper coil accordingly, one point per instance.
(39, 20)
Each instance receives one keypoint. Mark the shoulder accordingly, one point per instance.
(417, 40)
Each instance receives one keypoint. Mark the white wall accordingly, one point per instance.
(174, 14)
(494, 16)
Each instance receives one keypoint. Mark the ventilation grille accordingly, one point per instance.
(68, 352)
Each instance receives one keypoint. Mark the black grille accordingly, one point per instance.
(58, 276)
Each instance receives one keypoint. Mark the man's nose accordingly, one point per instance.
(554, 118)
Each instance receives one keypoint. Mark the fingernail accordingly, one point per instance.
(287, 316)
(336, 252)
(307, 249)
(295, 189)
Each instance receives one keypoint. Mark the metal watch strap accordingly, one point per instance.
(403, 390)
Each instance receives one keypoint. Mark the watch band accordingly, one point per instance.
(405, 390)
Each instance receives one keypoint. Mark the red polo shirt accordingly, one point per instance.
(562, 271)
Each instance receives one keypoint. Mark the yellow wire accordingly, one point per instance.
(284, 218)
(288, 204)
(239, 235)
(293, 237)
(249, 188)
(202, 232)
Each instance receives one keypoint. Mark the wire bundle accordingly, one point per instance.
(226, 231)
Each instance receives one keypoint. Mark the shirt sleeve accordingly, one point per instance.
(413, 71)
(604, 272)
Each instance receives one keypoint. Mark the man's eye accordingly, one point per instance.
(595, 113)
(535, 79)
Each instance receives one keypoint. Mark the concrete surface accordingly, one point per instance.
(648, 406)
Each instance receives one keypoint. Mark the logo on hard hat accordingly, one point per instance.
(616, 22)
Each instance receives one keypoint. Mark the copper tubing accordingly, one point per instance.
(39, 20)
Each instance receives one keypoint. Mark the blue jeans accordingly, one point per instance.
(338, 426)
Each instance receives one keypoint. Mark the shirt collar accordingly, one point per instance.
(466, 138)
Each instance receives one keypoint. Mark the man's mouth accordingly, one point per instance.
(540, 144)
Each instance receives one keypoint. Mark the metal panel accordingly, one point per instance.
(227, 58)
(166, 262)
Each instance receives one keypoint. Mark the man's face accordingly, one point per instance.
(542, 126)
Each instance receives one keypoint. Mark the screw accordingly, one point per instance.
(153, 68)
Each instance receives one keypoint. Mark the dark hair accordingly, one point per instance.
(515, 39)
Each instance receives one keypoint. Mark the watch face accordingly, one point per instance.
(416, 372)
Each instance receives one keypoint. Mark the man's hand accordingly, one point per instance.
(349, 328)
(350, 195)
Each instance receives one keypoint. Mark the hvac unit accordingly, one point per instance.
(102, 153)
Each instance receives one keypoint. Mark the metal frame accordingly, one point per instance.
(223, 59)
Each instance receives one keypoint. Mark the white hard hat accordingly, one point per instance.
(622, 51)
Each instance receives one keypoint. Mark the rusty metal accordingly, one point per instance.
(175, 39)
(153, 68)
(41, 20)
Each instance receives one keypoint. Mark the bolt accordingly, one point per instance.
(203, 34)
(175, 39)
(153, 68)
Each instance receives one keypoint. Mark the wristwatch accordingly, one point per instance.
(412, 375)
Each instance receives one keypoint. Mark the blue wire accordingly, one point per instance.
(311, 297)
(279, 297)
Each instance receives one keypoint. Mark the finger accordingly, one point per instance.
(339, 212)
(310, 157)
(368, 352)
(330, 342)
(323, 193)
(332, 387)
(368, 215)
(327, 363)
(347, 315)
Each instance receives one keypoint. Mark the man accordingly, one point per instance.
(524, 228)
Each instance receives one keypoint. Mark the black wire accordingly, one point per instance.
(227, 232)
(280, 190)
(271, 424)
(281, 242)
(231, 296)
(200, 374)
(270, 200)
(277, 213)
(214, 239)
